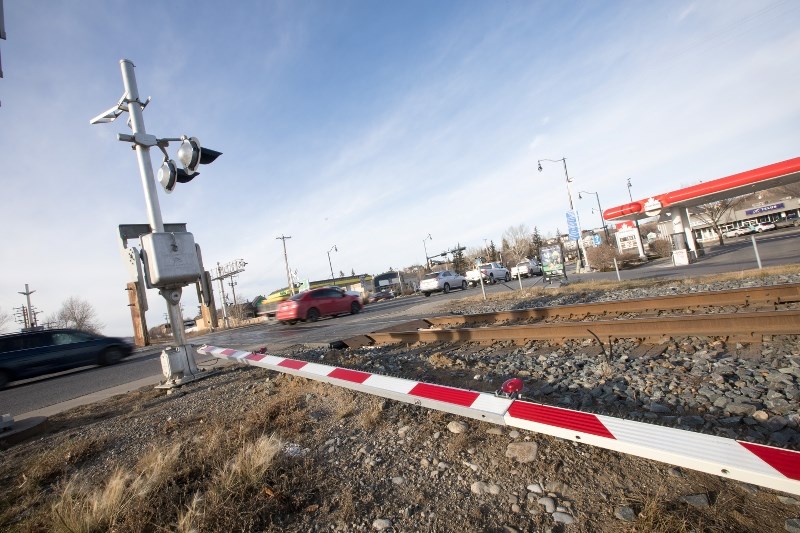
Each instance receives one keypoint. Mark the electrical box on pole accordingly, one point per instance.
(170, 259)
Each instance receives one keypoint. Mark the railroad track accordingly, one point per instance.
(758, 312)
(743, 315)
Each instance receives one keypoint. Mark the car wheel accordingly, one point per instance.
(463, 285)
(313, 315)
(281, 322)
(291, 322)
(426, 294)
(492, 281)
(508, 277)
(446, 288)
(354, 308)
(4, 379)
(111, 356)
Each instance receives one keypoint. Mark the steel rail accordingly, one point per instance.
(749, 297)
(741, 327)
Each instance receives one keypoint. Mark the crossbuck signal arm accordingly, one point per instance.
(767, 466)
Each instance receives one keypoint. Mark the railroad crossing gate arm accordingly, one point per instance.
(758, 464)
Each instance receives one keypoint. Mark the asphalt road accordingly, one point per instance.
(24, 397)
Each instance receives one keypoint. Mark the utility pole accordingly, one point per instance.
(222, 291)
(232, 283)
(30, 321)
(286, 262)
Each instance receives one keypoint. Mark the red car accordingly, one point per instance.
(316, 303)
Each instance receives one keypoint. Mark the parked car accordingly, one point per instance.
(738, 232)
(491, 272)
(381, 295)
(526, 269)
(764, 226)
(36, 353)
(747, 229)
(442, 282)
(312, 305)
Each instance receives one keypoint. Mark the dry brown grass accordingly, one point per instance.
(83, 509)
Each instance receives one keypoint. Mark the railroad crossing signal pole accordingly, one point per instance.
(171, 260)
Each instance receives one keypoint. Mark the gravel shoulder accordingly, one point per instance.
(347, 461)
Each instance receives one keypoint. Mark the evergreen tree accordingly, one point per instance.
(459, 263)
(536, 242)
(492, 251)
(505, 250)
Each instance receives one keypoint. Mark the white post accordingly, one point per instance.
(687, 230)
(142, 152)
(755, 249)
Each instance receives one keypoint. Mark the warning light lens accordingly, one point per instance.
(512, 386)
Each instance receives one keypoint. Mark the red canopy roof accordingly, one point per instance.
(758, 179)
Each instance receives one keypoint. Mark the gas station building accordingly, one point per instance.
(672, 209)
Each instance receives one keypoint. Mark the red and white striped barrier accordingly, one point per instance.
(766, 466)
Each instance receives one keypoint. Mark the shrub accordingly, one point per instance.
(661, 247)
(602, 257)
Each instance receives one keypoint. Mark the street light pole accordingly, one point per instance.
(427, 261)
(581, 249)
(600, 209)
(334, 249)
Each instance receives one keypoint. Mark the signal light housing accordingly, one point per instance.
(191, 154)
(168, 175)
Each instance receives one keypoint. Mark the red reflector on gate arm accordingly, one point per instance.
(349, 375)
(444, 394)
(562, 418)
(787, 462)
(292, 363)
(255, 356)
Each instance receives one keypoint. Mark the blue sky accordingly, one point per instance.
(368, 125)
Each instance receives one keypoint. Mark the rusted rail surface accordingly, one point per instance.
(759, 297)
(738, 327)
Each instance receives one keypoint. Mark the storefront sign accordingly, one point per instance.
(763, 209)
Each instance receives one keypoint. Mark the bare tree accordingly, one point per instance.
(713, 213)
(5, 319)
(239, 312)
(78, 314)
(518, 239)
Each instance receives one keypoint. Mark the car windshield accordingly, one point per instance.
(432, 275)
(522, 263)
(486, 265)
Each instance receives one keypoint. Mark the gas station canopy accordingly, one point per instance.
(758, 179)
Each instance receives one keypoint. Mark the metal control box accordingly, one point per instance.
(170, 259)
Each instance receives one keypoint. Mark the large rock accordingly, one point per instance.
(522, 452)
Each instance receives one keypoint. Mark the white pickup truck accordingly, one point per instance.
(526, 268)
(491, 272)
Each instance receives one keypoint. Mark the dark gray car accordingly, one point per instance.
(36, 353)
